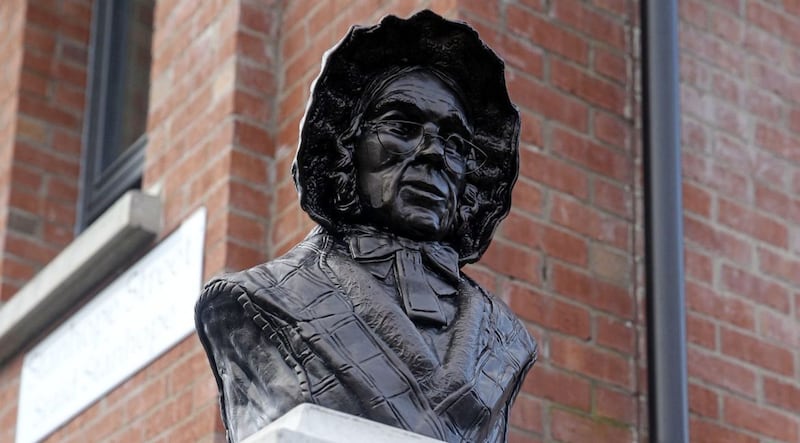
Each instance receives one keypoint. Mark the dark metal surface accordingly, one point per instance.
(407, 157)
(666, 324)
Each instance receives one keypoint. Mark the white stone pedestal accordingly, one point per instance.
(309, 423)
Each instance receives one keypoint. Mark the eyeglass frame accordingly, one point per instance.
(375, 125)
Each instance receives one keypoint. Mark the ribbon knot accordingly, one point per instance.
(419, 288)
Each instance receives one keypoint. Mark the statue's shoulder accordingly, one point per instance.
(510, 329)
(280, 278)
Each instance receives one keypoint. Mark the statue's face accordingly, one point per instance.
(409, 164)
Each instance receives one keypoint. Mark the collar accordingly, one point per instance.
(367, 244)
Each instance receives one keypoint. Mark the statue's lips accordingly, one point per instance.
(423, 189)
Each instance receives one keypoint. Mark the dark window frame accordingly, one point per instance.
(101, 186)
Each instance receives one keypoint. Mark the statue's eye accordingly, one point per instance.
(399, 128)
(456, 144)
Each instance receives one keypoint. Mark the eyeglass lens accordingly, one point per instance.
(402, 137)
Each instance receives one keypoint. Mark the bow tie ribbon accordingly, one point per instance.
(419, 288)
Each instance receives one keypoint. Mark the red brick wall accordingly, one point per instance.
(229, 83)
(43, 155)
(565, 259)
(12, 17)
(740, 90)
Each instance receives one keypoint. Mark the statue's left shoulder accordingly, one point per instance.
(510, 331)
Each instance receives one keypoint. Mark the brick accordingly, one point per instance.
(591, 155)
(46, 111)
(733, 152)
(730, 120)
(763, 45)
(531, 129)
(783, 268)
(694, 12)
(186, 371)
(765, 104)
(516, 53)
(548, 102)
(716, 371)
(584, 219)
(754, 288)
(611, 65)
(610, 264)
(553, 172)
(598, 26)
(611, 129)
(166, 414)
(613, 198)
(781, 329)
(615, 405)
(248, 198)
(554, 242)
(615, 334)
(781, 394)
(698, 266)
(573, 428)
(549, 36)
(757, 352)
(513, 261)
(727, 88)
(27, 178)
(252, 106)
(712, 240)
(778, 141)
(701, 331)
(794, 120)
(732, 310)
(527, 414)
(526, 196)
(773, 21)
(537, 5)
(777, 203)
(246, 229)
(713, 50)
(594, 90)
(702, 431)
(564, 245)
(549, 312)
(605, 296)
(242, 257)
(249, 167)
(559, 387)
(703, 401)
(727, 26)
(748, 415)
(585, 359)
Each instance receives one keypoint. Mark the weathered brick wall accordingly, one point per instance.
(12, 17)
(740, 93)
(42, 151)
(229, 84)
(565, 258)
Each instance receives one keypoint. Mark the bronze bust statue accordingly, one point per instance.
(408, 153)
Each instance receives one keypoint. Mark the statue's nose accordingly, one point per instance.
(432, 145)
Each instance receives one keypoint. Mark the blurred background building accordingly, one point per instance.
(145, 146)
